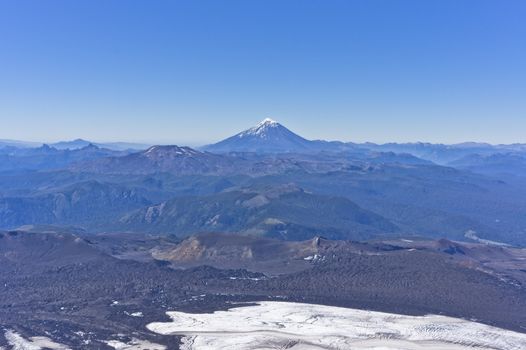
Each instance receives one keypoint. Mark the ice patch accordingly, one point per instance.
(134, 314)
(284, 325)
(18, 342)
(314, 258)
(135, 344)
(247, 278)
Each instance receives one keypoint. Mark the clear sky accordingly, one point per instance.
(191, 72)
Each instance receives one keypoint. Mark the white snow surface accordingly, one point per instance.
(17, 342)
(134, 314)
(297, 326)
(260, 129)
(135, 344)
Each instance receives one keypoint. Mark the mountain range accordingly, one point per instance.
(342, 190)
(74, 144)
(116, 146)
(271, 137)
(47, 157)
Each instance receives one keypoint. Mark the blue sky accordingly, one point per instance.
(191, 72)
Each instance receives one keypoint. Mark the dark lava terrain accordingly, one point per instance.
(85, 290)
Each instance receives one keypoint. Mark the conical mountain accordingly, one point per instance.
(268, 136)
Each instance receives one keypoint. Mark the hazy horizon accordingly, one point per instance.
(204, 143)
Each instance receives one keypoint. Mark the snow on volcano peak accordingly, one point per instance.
(267, 121)
(261, 128)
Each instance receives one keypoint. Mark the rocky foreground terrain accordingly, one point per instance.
(102, 291)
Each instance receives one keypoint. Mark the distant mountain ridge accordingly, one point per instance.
(74, 145)
(160, 159)
(513, 164)
(115, 146)
(18, 144)
(444, 154)
(269, 136)
(46, 157)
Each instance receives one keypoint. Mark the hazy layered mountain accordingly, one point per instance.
(18, 144)
(444, 154)
(398, 183)
(286, 212)
(116, 146)
(74, 144)
(513, 164)
(47, 157)
(89, 203)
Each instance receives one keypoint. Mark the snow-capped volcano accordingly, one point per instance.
(266, 136)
